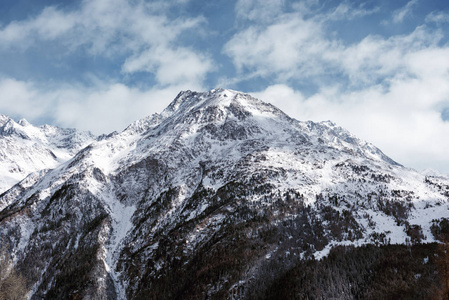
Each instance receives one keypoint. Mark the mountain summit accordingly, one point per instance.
(216, 197)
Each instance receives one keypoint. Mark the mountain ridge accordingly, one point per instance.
(27, 149)
(209, 194)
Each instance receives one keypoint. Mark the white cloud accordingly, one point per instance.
(111, 108)
(17, 97)
(293, 47)
(438, 17)
(138, 30)
(376, 58)
(258, 10)
(345, 11)
(171, 66)
(102, 109)
(287, 47)
(400, 14)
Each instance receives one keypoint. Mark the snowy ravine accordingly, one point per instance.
(204, 199)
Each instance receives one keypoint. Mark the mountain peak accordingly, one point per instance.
(8, 122)
(219, 99)
(9, 127)
(189, 99)
(24, 122)
(27, 148)
(4, 119)
(219, 178)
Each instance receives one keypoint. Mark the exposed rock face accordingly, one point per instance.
(216, 196)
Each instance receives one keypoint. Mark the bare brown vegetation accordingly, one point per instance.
(12, 283)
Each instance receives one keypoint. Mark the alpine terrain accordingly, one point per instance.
(221, 196)
(25, 149)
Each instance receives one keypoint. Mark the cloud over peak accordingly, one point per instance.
(379, 68)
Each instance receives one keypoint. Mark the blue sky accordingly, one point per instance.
(377, 68)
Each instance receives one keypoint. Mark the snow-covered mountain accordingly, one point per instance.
(25, 149)
(207, 198)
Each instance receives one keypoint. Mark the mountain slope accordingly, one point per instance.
(25, 148)
(208, 198)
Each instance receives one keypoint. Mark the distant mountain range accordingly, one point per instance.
(25, 148)
(219, 196)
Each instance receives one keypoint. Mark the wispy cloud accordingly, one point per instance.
(400, 14)
(286, 47)
(170, 66)
(346, 11)
(258, 10)
(437, 17)
(138, 30)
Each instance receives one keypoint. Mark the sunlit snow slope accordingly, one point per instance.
(25, 148)
(204, 198)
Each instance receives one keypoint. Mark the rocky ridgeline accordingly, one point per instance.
(220, 195)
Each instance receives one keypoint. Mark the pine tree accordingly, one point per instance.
(442, 262)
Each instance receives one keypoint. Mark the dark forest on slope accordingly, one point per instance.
(223, 196)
